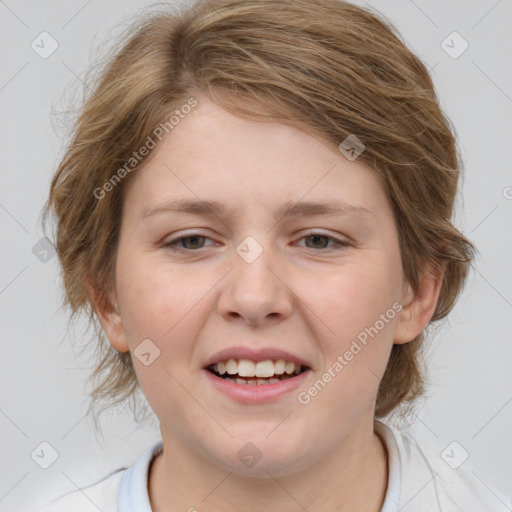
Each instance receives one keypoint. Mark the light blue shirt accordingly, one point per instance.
(133, 489)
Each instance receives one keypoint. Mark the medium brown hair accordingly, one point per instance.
(327, 66)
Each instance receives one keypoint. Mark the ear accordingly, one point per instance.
(107, 312)
(419, 308)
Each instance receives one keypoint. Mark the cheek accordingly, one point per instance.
(354, 297)
(158, 304)
(154, 296)
(356, 304)
(355, 353)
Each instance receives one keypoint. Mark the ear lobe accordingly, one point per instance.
(108, 315)
(418, 308)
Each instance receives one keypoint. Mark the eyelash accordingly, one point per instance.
(172, 244)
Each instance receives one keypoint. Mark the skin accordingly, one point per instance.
(304, 295)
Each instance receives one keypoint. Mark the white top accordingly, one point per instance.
(419, 480)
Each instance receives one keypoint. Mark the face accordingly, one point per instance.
(253, 281)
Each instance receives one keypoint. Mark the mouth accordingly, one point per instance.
(256, 373)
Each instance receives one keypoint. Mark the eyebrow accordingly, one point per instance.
(288, 209)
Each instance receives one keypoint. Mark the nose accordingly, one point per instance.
(256, 291)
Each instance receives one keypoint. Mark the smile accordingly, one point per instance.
(247, 372)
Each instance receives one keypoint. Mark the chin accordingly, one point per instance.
(281, 456)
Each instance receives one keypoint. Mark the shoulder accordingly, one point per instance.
(102, 495)
(125, 489)
(439, 481)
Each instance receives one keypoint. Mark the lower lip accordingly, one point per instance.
(256, 393)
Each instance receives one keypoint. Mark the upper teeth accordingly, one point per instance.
(247, 368)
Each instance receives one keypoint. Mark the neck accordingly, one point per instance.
(353, 476)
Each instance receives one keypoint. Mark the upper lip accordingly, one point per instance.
(256, 355)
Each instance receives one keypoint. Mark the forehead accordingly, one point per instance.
(221, 160)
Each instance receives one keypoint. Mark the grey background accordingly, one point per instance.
(42, 378)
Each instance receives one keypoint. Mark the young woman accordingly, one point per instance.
(257, 207)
